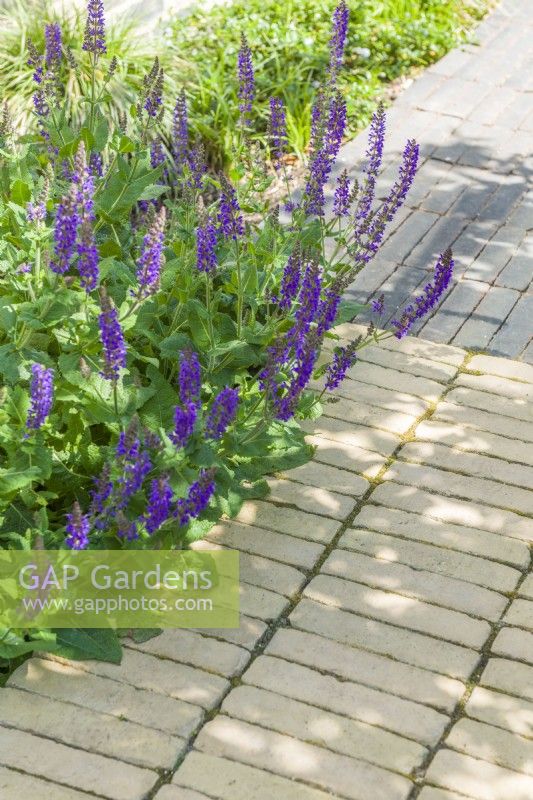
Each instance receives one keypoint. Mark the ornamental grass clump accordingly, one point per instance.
(161, 325)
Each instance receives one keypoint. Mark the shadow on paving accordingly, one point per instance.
(481, 205)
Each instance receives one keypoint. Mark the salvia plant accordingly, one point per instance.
(161, 326)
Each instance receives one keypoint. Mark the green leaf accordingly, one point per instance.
(348, 310)
(198, 323)
(39, 457)
(13, 480)
(20, 193)
(9, 363)
(122, 193)
(13, 645)
(158, 412)
(101, 134)
(153, 192)
(101, 644)
(88, 139)
(235, 355)
(8, 314)
(126, 145)
(173, 345)
(16, 520)
(141, 635)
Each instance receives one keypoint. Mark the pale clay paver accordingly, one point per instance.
(354, 700)
(502, 710)
(294, 758)
(398, 610)
(350, 695)
(335, 732)
(19, 784)
(475, 441)
(492, 744)
(368, 669)
(76, 768)
(431, 531)
(425, 556)
(423, 585)
(526, 588)
(508, 676)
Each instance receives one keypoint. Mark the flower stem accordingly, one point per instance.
(211, 330)
(93, 90)
(239, 291)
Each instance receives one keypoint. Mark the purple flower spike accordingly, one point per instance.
(327, 139)
(157, 154)
(158, 509)
(180, 131)
(245, 72)
(36, 212)
(53, 46)
(338, 38)
(327, 311)
(41, 396)
(206, 242)
(153, 98)
(112, 340)
(88, 258)
(184, 420)
(229, 214)
(309, 297)
(343, 359)
(40, 105)
(222, 413)
(135, 471)
(190, 378)
(290, 283)
(198, 497)
(374, 154)
(96, 164)
(378, 305)
(94, 38)
(65, 231)
(35, 60)
(151, 260)
(277, 130)
(78, 528)
(307, 352)
(368, 236)
(336, 125)
(341, 200)
(429, 298)
(128, 445)
(197, 166)
(126, 529)
(102, 491)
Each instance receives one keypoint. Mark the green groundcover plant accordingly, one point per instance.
(160, 325)
(386, 39)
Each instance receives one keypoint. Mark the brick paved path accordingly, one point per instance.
(386, 644)
(472, 113)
